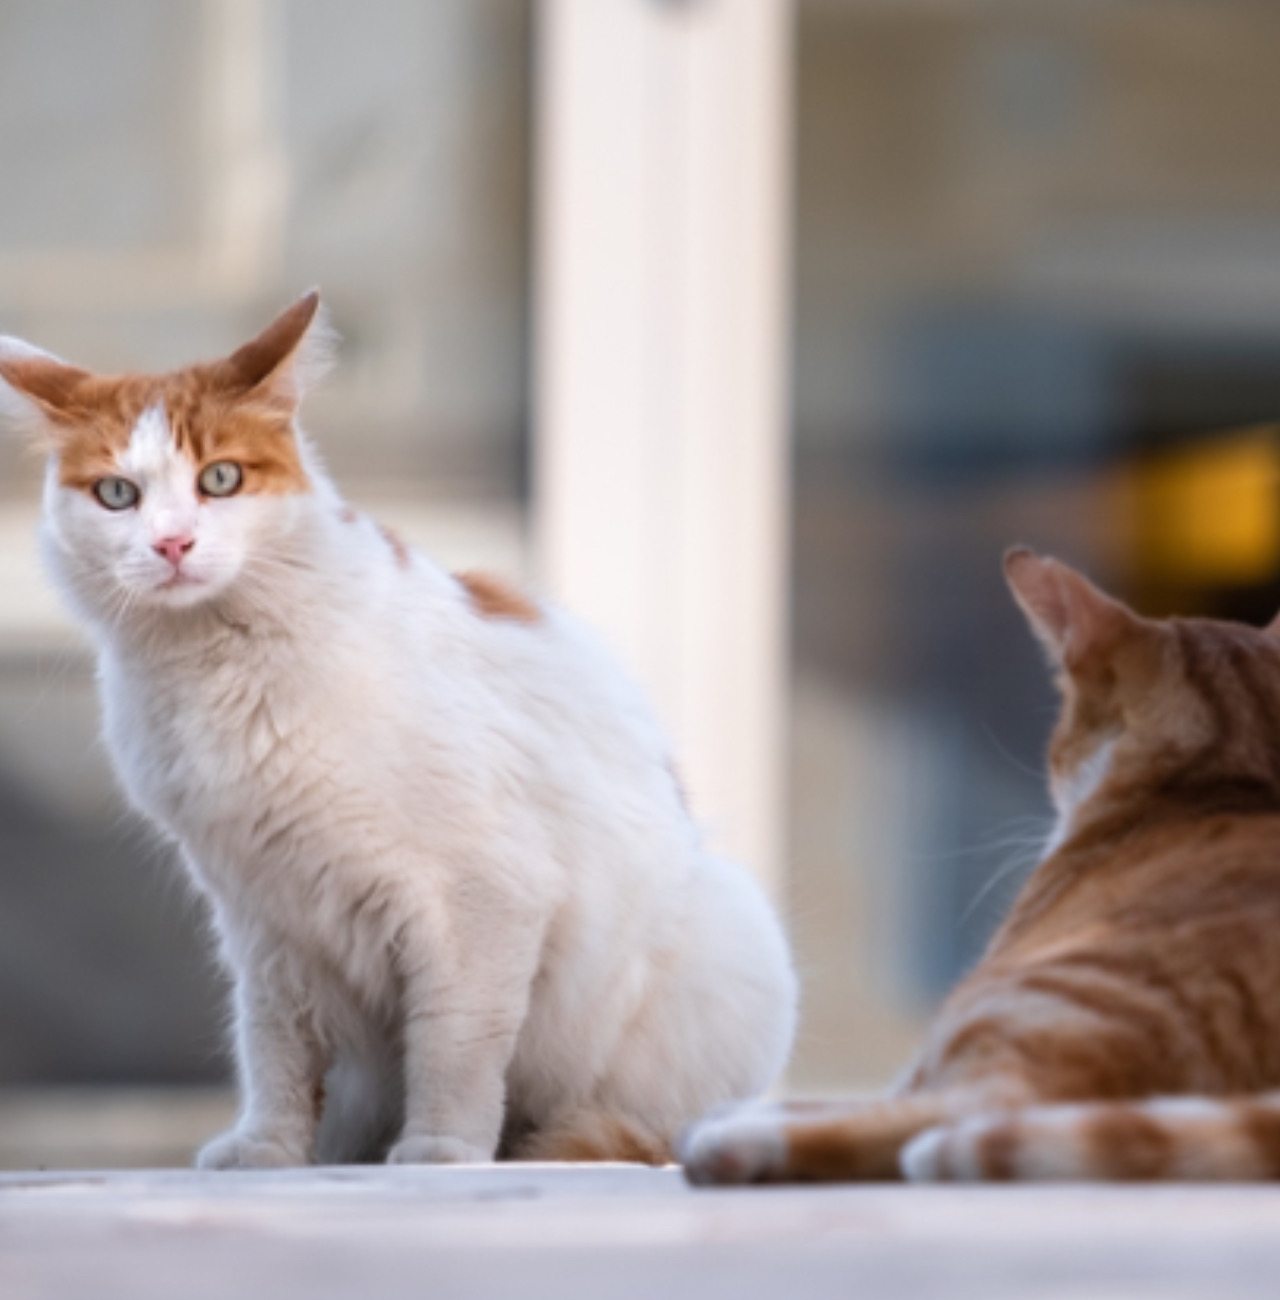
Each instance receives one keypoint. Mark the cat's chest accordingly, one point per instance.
(205, 749)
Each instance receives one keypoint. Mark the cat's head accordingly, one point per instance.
(1180, 709)
(162, 489)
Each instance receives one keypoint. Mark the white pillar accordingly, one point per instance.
(661, 473)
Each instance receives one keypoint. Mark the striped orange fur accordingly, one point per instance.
(1125, 1021)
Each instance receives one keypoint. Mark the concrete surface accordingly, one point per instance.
(617, 1231)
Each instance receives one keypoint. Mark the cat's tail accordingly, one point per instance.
(1188, 1138)
(798, 1141)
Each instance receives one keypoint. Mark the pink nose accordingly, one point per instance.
(173, 548)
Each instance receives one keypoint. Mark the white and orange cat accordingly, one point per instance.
(447, 859)
(1125, 1021)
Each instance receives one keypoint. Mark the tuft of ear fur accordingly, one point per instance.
(290, 355)
(38, 391)
(1069, 615)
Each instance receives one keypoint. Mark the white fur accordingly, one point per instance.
(1073, 791)
(745, 1146)
(448, 864)
(928, 1158)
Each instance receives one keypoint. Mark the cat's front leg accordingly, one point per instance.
(465, 1003)
(281, 1081)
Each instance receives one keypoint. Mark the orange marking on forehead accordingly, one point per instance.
(206, 424)
(210, 426)
(493, 598)
(94, 424)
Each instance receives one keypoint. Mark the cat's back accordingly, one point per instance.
(1153, 967)
(520, 668)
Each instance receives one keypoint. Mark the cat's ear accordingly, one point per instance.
(1071, 617)
(39, 393)
(291, 354)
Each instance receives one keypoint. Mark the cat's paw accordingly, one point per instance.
(425, 1150)
(748, 1145)
(243, 1150)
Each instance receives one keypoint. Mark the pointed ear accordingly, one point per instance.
(285, 359)
(38, 392)
(1070, 616)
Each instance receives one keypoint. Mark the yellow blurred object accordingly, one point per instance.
(1209, 514)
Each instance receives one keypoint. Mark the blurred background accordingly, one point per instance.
(753, 330)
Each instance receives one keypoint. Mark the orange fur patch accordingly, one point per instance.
(494, 598)
(596, 1138)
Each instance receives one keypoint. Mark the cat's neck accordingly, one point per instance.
(1116, 836)
(1177, 801)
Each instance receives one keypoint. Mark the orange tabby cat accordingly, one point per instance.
(1125, 1022)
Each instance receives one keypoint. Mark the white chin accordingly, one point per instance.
(178, 595)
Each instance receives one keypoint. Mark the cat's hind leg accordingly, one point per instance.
(810, 1142)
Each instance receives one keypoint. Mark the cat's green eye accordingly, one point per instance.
(116, 493)
(221, 479)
